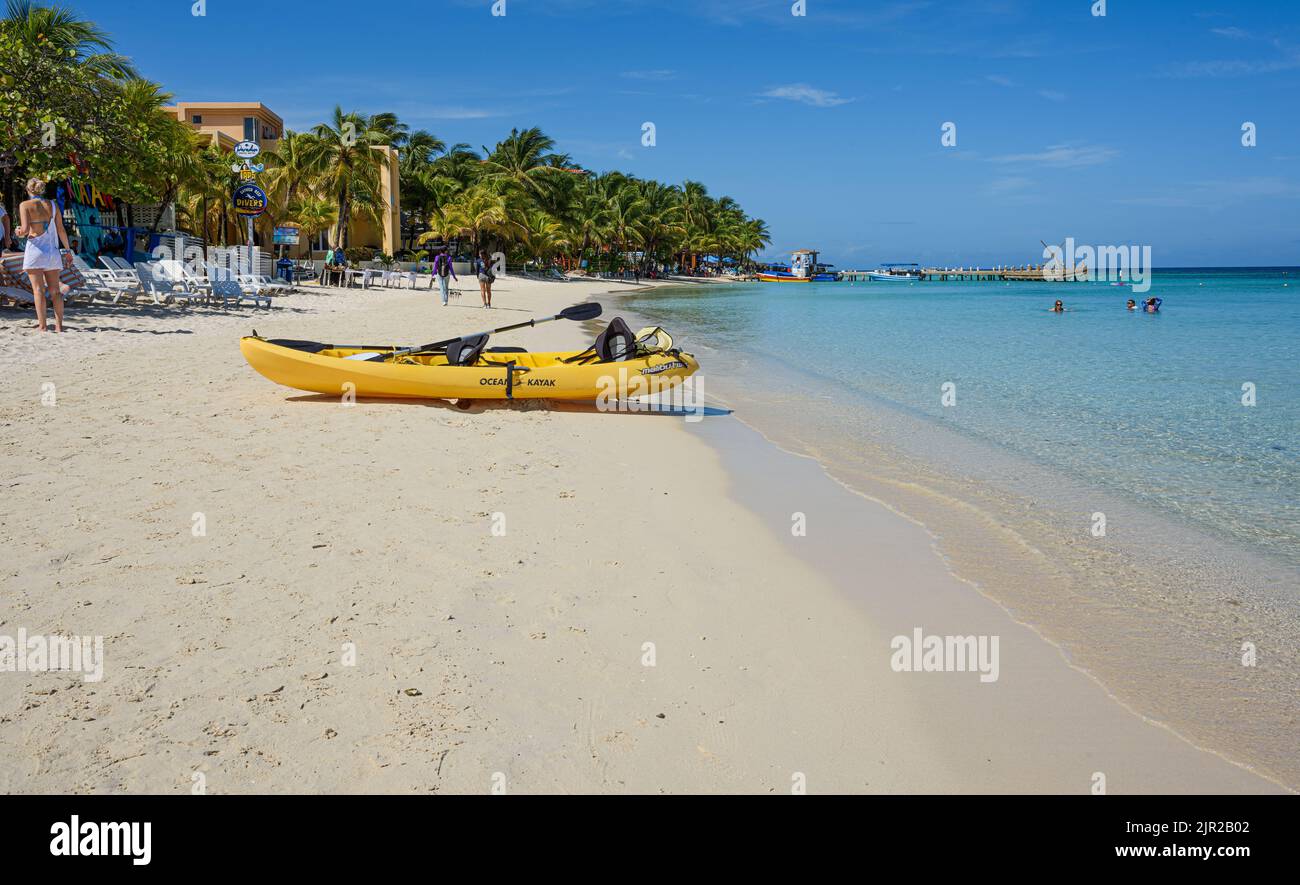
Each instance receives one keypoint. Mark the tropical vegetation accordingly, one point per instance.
(79, 110)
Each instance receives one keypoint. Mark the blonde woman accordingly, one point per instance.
(41, 223)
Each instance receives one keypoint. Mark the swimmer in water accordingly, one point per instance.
(1152, 305)
(1132, 305)
(1058, 307)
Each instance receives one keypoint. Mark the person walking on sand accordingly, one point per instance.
(485, 278)
(441, 269)
(42, 224)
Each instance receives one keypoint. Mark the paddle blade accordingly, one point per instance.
(586, 311)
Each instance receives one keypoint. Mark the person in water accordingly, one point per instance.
(41, 222)
(1058, 307)
(1132, 305)
(1152, 305)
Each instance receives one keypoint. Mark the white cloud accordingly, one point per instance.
(1000, 80)
(1052, 95)
(1063, 156)
(806, 94)
(1234, 33)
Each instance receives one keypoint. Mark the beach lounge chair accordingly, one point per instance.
(13, 291)
(274, 285)
(18, 287)
(156, 285)
(121, 270)
(191, 285)
(229, 291)
(105, 283)
(256, 284)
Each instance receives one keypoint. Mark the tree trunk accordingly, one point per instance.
(343, 220)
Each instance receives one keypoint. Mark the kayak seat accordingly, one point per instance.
(467, 350)
(507, 350)
(615, 344)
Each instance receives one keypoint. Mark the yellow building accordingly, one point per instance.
(231, 122)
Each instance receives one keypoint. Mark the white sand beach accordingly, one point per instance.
(348, 621)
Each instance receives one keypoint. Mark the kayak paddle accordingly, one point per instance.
(586, 311)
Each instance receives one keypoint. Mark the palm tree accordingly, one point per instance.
(312, 215)
(661, 217)
(290, 169)
(588, 219)
(520, 160)
(474, 212)
(625, 211)
(350, 168)
(83, 42)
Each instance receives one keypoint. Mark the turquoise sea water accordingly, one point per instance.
(1058, 418)
(1146, 406)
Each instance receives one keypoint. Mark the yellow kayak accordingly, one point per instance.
(476, 372)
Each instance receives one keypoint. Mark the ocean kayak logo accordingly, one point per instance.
(649, 391)
(1112, 264)
(919, 653)
(44, 654)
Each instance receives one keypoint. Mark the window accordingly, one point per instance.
(196, 119)
(250, 129)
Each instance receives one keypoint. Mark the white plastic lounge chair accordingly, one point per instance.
(274, 285)
(255, 284)
(158, 287)
(229, 291)
(189, 284)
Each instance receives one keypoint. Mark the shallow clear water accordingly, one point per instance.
(1058, 417)
(1148, 405)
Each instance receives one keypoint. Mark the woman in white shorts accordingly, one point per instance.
(42, 224)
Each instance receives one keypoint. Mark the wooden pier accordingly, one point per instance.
(1021, 274)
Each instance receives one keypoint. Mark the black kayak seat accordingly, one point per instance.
(616, 343)
(467, 350)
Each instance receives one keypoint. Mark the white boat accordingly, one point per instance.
(896, 273)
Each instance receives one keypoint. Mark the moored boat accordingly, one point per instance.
(803, 268)
(896, 273)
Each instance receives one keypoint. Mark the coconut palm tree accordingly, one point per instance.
(312, 215)
(349, 167)
(83, 42)
(291, 170)
(474, 212)
(520, 160)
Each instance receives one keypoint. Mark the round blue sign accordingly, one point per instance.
(250, 200)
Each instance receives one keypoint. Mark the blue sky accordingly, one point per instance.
(1123, 129)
